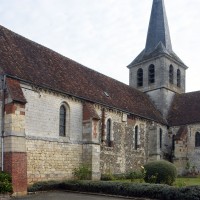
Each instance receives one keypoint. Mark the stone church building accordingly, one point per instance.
(57, 114)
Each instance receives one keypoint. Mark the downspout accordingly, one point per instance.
(2, 120)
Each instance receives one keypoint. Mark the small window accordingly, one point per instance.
(171, 74)
(62, 124)
(136, 137)
(197, 139)
(140, 77)
(151, 74)
(161, 134)
(173, 142)
(108, 137)
(178, 78)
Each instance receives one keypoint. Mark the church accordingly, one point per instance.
(57, 114)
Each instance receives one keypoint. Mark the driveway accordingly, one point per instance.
(68, 196)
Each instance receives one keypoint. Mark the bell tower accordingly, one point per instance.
(157, 70)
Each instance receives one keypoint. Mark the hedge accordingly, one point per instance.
(153, 191)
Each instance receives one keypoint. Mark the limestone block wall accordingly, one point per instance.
(51, 160)
(42, 114)
(50, 156)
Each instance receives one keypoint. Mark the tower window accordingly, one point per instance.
(197, 139)
(178, 78)
(62, 124)
(140, 77)
(151, 74)
(171, 74)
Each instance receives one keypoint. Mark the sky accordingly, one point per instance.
(105, 35)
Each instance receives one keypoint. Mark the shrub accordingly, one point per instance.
(135, 175)
(160, 172)
(145, 190)
(82, 173)
(5, 183)
(107, 177)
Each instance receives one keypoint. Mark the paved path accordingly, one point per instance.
(67, 196)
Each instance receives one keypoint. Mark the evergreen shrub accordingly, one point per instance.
(5, 183)
(160, 172)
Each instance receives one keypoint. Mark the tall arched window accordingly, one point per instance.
(161, 138)
(171, 74)
(197, 139)
(140, 77)
(108, 130)
(151, 74)
(136, 137)
(62, 123)
(178, 78)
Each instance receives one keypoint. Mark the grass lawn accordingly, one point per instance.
(187, 181)
(180, 182)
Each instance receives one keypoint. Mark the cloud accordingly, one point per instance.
(105, 35)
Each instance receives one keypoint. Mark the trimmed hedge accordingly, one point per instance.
(154, 191)
(160, 172)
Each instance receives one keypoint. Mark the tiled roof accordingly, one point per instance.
(185, 109)
(29, 61)
(15, 90)
(89, 112)
(182, 133)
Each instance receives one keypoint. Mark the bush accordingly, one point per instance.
(145, 190)
(160, 172)
(135, 175)
(82, 173)
(107, 177)
(5, 183)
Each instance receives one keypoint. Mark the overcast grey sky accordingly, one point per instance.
(105, 35)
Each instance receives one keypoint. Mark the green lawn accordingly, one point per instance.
(187, 181)
(180, 182)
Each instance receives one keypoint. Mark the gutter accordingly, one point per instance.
(82, 98)
(3, 82)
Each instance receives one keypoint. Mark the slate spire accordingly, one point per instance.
(158, 31)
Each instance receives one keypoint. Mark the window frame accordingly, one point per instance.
(161, 138)
(62, 120)
(109, 132)
(171, 74)
(136, 136)
(151, 74)
(140, 77)
(197, 139)
(178, 78)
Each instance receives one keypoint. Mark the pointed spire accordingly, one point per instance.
(158, 28)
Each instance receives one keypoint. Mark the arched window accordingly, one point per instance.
(178, 78)
(161, 134)
(136, 137)
(62, 123)
(151, 74)
(140, 77)
(108, 130)
(197, 139)
(171, 74)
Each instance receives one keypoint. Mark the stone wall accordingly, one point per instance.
(42, 114)
(122, 156)
(51, 160)
(185, 151)
(50, 156)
